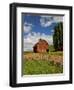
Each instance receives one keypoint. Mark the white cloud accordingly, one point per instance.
(46, 21)
(58, 19)
(29, 24)
(32, 39)
(27, 27)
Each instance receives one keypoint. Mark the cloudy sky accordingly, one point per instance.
(36, 27)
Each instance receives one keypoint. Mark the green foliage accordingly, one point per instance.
(58, 37)
(51, 48)
(59, 53)
(34, 67)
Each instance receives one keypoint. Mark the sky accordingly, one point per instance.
(37, 27)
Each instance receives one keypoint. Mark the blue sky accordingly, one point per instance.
(38, 26)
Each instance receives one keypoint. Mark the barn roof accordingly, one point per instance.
(41, 41)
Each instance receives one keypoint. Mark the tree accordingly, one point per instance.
(58, 37)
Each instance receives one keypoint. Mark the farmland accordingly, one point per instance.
(42, 63)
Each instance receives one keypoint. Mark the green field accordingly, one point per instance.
(35, 63)
(41, 67)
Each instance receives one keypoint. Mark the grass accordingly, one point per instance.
(32, 67)
(60, 53)
(43, 63)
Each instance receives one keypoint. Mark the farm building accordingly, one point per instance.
(41, 46)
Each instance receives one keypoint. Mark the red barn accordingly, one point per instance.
(41, 46)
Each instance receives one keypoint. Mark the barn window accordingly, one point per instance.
(47, 50)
